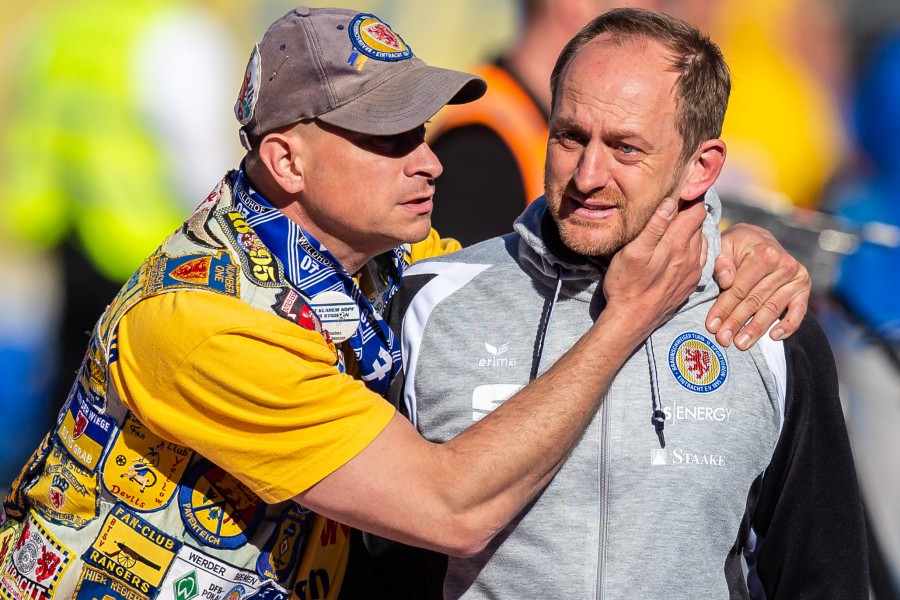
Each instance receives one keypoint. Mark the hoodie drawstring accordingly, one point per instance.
(549, 304)
(659, 417)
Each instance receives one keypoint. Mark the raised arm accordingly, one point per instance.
(759, 280)
(455, 497)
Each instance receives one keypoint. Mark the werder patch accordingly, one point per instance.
(132, 550)
(35, 565)
(259, 264)
(84, 432)
(9, 533)
(697, 363)
(97, 585)
(218, 509)
(282, 550)
(195, 574)
(14, 503)
(214, 272)
(142, 469)
(65, 494)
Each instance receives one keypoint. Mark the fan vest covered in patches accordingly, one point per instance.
(106, 509)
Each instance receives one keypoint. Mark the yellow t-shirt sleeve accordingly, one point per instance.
(256, 394)
(433, 245)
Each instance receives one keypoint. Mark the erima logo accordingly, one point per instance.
(496, 350)
(659, 457)
(496, 361)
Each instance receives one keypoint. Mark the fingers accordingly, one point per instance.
(656, 227)
(724, 268)
(757, 299)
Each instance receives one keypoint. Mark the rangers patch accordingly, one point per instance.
(280, 553)
(697, 363)
(247, 97)
(214, 272)
(143, 470)
(374, 38)
(83, 431)
(195, 574)
(65, 494)
(132, 550)
(218, 509)
(35, 565)
(259, 264)
(291, 305)
(15, 504)
(95, 584)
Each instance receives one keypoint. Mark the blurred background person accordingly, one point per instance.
(113, 115)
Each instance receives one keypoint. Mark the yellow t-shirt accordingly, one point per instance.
(254, 393)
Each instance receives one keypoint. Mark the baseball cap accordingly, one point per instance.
(346, 68)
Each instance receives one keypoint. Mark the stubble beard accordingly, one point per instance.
(604, 239)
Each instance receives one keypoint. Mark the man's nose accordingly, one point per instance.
(593, 170)
(423, 161)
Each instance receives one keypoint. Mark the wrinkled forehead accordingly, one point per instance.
(624, 71)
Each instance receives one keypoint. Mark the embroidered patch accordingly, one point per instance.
(35, 565)
(9, 533)
(65, 494)
(128, 296)
(15, 504)
(143, 470)
(132, 550)
(94, 584)
(218, 509)
(697, 363)
(281, 552)
(294, 307)
(83, 431)
(258, 262)
(214, 272)
(195, 574)
(93, 373)
(269, 591)
(196, 228)
(247, 97)
(374, 38)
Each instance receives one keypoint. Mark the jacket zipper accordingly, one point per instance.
(603, 482)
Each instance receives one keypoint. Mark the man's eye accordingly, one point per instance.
(568, 137)
(383, 141)
(626, 149)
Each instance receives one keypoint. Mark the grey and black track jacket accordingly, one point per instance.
(746, 487)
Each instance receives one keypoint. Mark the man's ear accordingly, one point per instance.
(703, 169)
(280, 153)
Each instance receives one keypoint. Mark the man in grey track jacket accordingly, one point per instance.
(709, 472)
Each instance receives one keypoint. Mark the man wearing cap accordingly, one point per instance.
(242, 365)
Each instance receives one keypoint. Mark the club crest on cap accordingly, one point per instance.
(374, 38)
(246, 102)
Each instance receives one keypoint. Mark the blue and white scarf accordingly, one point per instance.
(312, 269)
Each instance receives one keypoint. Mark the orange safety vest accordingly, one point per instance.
(508, 110)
